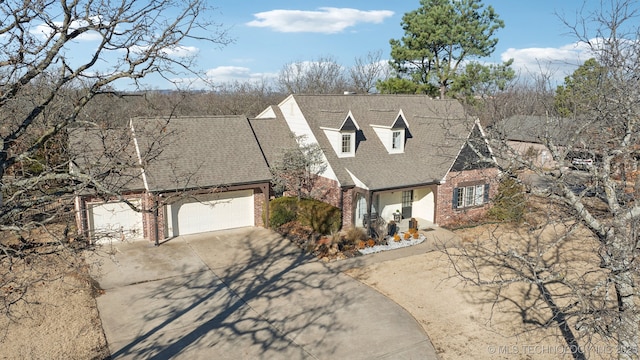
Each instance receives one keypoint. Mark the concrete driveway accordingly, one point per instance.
(244, 294)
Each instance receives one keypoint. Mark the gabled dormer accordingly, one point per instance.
(343, 139)
(393, 137)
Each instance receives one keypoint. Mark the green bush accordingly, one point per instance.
(282, 210)
(321, 217)
(510, 202)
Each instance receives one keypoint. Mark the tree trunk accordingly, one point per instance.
(561, 319)
(627, 318)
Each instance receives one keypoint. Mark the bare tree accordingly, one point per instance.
(366, 72)
(577, 261)
(321, 76)
(298, 168)
(45, 93)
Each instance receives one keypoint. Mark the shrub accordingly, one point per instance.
(282, 210)
(353, 234)
(510, 202)
(321, 217)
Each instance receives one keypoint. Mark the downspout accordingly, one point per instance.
(156, 229)
(266, 191)
(369, 206)
(341, 207)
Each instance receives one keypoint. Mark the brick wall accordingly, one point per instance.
(327, 190)
(258, 206)
(81, 204)
(446, 215)
(148, 219)
(348, 207)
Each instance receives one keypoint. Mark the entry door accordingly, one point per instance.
(407, 201)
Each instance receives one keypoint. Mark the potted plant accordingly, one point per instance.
(397, 216)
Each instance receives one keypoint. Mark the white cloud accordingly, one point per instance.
(177, 51)
(557, 62)
(327, 20)
(181, 51)
(45, 30)
(235, 73)
(224, 74)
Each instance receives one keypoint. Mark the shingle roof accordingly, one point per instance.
(273, 136)
(107, 156)
(437, 131)
(534, 129)
(199, 152)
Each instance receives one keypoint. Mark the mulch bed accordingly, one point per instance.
(326, 248)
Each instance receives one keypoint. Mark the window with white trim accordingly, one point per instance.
(396, 140)
(346, 143)
(469, 196)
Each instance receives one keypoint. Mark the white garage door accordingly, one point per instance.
(212, 212)
(115, 221)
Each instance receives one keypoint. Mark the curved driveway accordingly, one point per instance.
(244, 294)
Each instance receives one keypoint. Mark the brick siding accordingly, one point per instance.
(446, 215)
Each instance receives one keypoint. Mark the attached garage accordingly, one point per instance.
(114, 221)
(211, 212)
(208, 173)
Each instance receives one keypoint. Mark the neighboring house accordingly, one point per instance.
(186, 175)
(390, 153)
(527, 136)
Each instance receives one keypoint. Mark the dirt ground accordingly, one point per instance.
(57, 318)
(465, 321)
(60, 318)
(459, 324)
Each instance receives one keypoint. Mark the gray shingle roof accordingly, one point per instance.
(107, 156)
(273, 136)
(199, 152)
(437, 131)
(534, 129)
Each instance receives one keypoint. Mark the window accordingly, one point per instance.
(396, 140)
(472, 195)
(346, 143)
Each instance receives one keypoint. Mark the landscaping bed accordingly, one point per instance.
(345, 244)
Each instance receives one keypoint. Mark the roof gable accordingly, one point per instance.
(399, 123)
(348, 124)
(474, 153)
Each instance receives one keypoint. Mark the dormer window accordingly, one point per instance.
(343, 139)
(396, 140)
(393, 137)
(346, 143)
(398, 130)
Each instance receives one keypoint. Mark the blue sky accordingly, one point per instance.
(267, 35)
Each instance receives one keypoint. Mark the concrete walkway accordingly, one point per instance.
(245, 294)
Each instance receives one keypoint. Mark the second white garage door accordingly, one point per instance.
(115, 221)
(211, 212)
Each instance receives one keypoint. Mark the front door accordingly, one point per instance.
(407, 201)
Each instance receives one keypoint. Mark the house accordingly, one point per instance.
(390, 155)
(174, 176)
(527, 137)
(385, 156)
